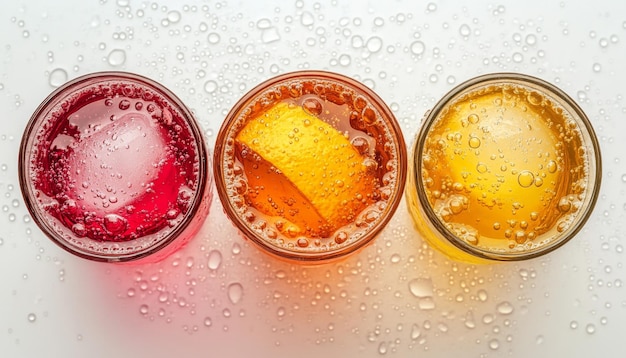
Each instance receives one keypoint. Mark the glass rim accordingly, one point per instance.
(588, 137)
(310, 256)
(41, 116)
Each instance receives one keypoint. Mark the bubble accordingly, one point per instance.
(115, 224)
(31, 317)
(117, 57)
(525, 179)
(531, 39)
(418, 47)
(235, 292)
(144, 309)
(431, 7)
(208, 322)
(57, 77)
(474, 142)
(590, 329)
(604, 42)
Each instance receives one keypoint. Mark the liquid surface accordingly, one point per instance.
(504, 168)
(115, 162)
(313, 168)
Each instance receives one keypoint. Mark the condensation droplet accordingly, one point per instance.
(57, 77)
(31, 317)
(591, 328)
(505, 308)
(117, 57)
(421, 287)
(418, 48)
(465, 30)
(235, 292)
(215, 260)
(374, 44)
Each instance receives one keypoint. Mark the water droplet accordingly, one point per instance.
(465, 30)
(421, 287)
(208, 322)
(494, 344)
(173, 16)
(573, 325)
(215, 259)
(382, 348)
(235, 292)
(531, 39)
(505, 308)
(307, 19)
(596, 67)
(117, 57)
(143, 309)
(374, 44)
(591, 328)
(270, 35)
(345, 60)
(31, 317)
(415, 331)
(517, 57)
(210, 86)
(213, 38)
(57, 77)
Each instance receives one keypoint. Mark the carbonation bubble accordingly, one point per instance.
(57, 77)
(117, 57)
(525, 179)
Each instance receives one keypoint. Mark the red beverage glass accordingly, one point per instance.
(113, 167)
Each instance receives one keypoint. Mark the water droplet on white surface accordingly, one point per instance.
(117, 57)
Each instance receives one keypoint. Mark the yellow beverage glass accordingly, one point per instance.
(505, 167)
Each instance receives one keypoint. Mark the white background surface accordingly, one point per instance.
(571, 303)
